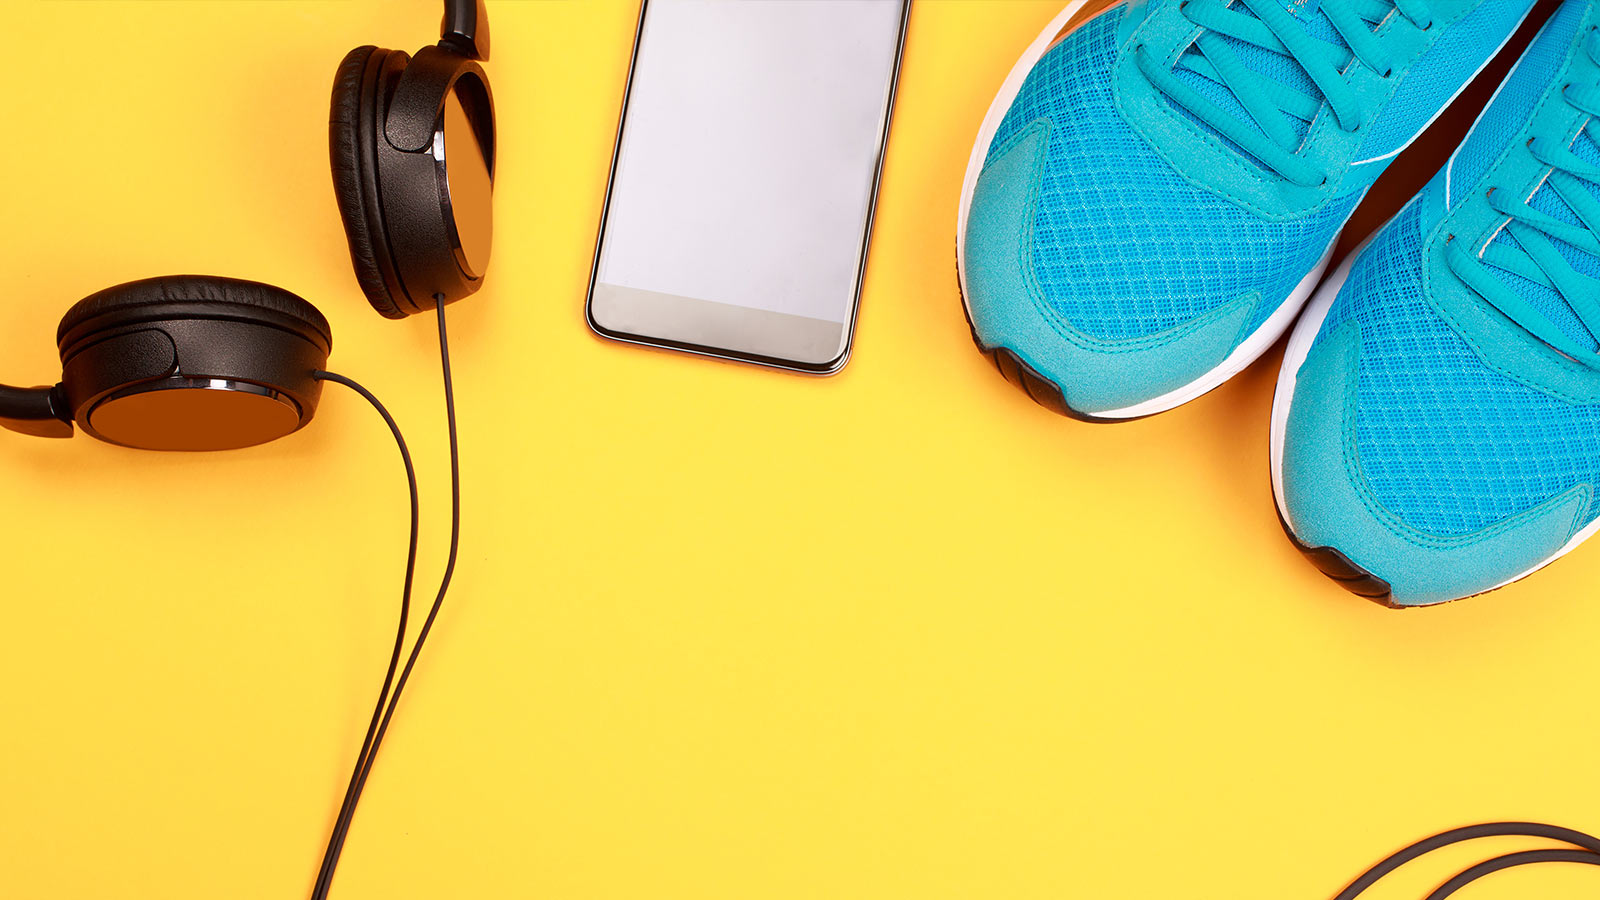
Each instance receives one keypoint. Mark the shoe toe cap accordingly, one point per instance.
(1009, 313)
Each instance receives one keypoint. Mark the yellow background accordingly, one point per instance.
(717, 632)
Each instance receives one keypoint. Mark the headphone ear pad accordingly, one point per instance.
(193, 296)
(352, 127)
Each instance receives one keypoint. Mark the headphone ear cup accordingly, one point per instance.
(191, 362)
(352, 137)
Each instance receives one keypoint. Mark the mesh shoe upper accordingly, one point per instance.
(1457, 423)
(1450, 439)
(1145, 218)
(1123, 245)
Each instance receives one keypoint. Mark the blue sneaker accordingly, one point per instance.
(1436, 430)
(1158, 186)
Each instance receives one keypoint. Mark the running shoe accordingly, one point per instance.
(1158, 186)
(1436, 429)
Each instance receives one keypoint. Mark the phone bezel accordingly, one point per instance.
(825, 368)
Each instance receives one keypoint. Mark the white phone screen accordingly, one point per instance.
(746, 172)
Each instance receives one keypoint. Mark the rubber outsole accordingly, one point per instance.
(1026, 378)
(1330, 562)
(1040, 389)
(1364, 584)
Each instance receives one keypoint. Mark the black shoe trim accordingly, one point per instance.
(1343, 570)
(1039, 389)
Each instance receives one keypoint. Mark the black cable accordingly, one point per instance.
(1588, 852)
(405, 597)
(1512, 860)
(369, 750)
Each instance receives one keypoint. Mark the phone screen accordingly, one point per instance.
(745, 177)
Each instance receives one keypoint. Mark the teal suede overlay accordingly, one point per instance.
(1329, 504)
(1008, 309)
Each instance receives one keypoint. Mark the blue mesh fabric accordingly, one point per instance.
(1546, 200)
(1123, 246)
(1516, 99)
(1384, 260)
(1447, 444)
(1442, 71)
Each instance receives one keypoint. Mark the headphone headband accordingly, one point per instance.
(465, 29)
(40, 411)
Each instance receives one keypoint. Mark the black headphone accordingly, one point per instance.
(195, 362)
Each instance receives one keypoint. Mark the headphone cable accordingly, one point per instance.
(387, 701)
(1585, 849)
(1587, 853)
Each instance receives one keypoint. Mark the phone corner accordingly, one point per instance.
(834, 366)
(591, 317)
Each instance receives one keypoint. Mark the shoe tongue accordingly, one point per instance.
(1546, 300)
(1272, 66)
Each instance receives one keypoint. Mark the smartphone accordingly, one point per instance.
(745, 176)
